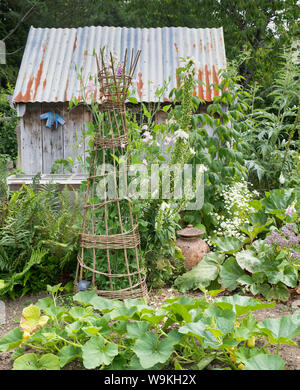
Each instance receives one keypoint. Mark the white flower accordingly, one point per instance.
(171, 121)
(181, 134)
(145, 127)
(202, 168)
(164, 206)
(167, 140)
(281, 178)
(192, 151)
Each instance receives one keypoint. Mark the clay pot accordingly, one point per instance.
(192, 246)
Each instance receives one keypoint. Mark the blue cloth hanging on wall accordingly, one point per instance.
(52, 118)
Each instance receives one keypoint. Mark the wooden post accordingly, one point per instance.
(18, 132)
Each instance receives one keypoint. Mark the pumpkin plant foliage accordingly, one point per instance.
(183, 333)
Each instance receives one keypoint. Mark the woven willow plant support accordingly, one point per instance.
(110, 239)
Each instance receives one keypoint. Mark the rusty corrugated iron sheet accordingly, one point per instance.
(53, 58)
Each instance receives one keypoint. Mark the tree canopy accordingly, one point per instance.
(254, 30)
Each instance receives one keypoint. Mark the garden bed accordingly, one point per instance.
(289, 353)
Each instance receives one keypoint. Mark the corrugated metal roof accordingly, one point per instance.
(47, 72)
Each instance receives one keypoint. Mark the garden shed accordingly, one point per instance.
(48, 81)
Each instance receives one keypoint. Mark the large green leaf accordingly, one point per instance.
(180, 311)
(47, 305)
(136, 329)
(73, 328)
(278, 292)
(202, 330)
(259, 218)
(278, 200)
(154, 317)
(264, 362)
(138, 303)
(11, 340)
(135, 364)
(67, 354)
(230, 273)
(287, 277)
(97, 351)
(104, 305)
(202, 274)
(222, 319)
(123, 313)
(247, 260)
(84, 297)
(281, 330)
(242, 304)
(49, 362)
(255, 229)
(151, 350)
(227, 245)
(80, 313)
(243, 354)
(29, 361)
(32, 361)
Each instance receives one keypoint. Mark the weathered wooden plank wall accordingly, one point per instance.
(74, 142)
(41, 146)
(31, 140)
(53, 147)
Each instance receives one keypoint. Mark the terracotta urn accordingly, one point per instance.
(192, 246)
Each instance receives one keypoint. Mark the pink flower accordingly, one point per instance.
(120, 71)
(91, 87)
(290, 210)
(145, 127)
(145, 161)
(147, 136)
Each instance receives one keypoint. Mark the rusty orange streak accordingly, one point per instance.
(208, 90)
(215, 80)
(38, 78)
(26, 97)
(66, 90)
(200, 87)
(176, 47)
(140, 85)
(75, 44)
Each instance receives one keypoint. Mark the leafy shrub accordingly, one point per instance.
(217, 139)
(272, 125)
(265, 260)
(8, 137)
(38, 238)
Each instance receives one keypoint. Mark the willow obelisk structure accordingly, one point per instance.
(108, 258)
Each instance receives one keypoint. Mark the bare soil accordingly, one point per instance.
(289, 353)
